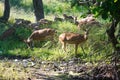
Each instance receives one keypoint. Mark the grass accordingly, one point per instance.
(11, 71)
(92, 47)
(1, 9)
(96, 48)
(12, 46)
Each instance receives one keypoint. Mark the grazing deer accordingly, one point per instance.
(87, 22)
(34, 26)
(73, 38)
(40, 35)
(69, 18)
(45, 21)
(41, 22)
(56, 18)
(22, 22)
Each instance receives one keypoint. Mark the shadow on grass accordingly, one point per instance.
(21, 4)
(11, 56)
(12, 49)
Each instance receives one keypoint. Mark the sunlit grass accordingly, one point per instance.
(1, 8)
(27, 2)
(12, 71)
(94, 45)
(27, 15)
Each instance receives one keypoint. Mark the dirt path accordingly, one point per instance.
(47, 70)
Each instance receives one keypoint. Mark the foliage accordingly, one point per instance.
(23, 32)
(108, 8)
(111, 9)
(22, 4)
(95, 48)
(1, 9)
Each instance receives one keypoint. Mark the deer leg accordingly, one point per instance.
(28, 46)
(82, 49)
(64, 46)
(31, 45)
(76, 47)
(52, 40)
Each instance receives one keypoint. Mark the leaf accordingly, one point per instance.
(115, 1)
(105, 15)
(118, 45)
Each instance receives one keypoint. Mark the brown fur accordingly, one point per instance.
(41, 35)
(45, 21)
(69, 18)
(88, 21)
(22, 22)
(72, 38)
(34, 26)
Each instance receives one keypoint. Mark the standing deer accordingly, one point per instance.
(40, 35)
(73, 38)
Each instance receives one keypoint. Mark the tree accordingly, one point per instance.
(110, 9)
(6, 13)
(38, 9)
(85, 3)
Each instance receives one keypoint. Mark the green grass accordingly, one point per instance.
(1, 8)
(96, 47)
(11, 71)
(24, 9)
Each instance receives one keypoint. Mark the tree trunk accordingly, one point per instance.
(38, 9)
(6, 13)
(114, 41)
(111, 34)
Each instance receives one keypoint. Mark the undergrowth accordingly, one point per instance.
(95, 48)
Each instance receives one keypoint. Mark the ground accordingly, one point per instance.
(73, 69)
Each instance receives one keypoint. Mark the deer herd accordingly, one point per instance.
(64, 38)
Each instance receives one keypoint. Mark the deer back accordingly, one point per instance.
(42, 34)
(72, 38)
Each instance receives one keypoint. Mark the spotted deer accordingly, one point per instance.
(69, 18)
(87, 22)
(40, 35)
(73, 38)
